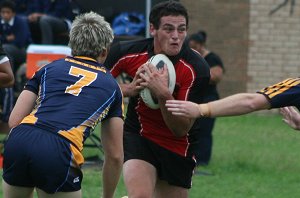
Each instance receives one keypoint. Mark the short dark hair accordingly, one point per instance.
(167, 8)
(8, 4)
(199, 37)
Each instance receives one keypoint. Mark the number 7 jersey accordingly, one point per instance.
(74, 95)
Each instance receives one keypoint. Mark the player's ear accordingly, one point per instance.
(104, 52)
(152, 30)
(103, 55)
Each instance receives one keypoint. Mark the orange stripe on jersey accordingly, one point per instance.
(75, 135)
(280, 87)
(86, 65)
(30, 119)
(77, 156)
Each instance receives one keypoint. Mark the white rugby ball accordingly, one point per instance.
(159, 60)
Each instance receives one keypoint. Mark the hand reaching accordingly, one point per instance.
(291, 116)
(183, 108)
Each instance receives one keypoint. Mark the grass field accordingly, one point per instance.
(254, 156)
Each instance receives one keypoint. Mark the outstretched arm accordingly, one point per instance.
(237, 104)
(291, 116)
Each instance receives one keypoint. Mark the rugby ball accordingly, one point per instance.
(159, 60)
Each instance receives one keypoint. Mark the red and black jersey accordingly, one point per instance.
(192, 78)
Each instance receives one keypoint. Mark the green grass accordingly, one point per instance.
(254, 156)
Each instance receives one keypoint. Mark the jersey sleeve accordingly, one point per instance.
(284, 93)
(214, 60)
(113, 57)
(33, 84)
(199, 81)
(117, 107)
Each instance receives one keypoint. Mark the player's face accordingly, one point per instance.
(170, 35)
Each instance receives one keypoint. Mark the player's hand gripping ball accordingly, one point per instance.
(159, 60)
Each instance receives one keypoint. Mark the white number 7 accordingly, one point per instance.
(87, 77)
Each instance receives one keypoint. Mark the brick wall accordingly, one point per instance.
(258, 49)
(274, 53)
(227, 27)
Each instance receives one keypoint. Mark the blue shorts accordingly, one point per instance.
(34, 157)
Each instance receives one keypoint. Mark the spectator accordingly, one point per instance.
(15, 34)
(21, 7)
(50, 18)
(202, 139)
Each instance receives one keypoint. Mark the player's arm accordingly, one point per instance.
(216, 68)
(22, 108)
(216, 74)
(6, 74)
(112, 142)
(237, 104)
(177, 124)
(157, 82)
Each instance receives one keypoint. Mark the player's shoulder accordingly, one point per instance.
(135, 46)
(194, 58)
(58, 64)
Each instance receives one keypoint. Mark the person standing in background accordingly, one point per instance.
(14, 33)
(49, 19)
(202, 139)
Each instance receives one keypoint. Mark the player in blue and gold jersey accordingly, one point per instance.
(283, 94)
(57, 110)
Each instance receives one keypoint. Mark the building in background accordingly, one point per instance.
(259, 41)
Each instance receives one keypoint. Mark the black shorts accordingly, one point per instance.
(177, 170)
(34, 157)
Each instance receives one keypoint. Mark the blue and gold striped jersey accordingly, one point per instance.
(284, 93)
(74, 95)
